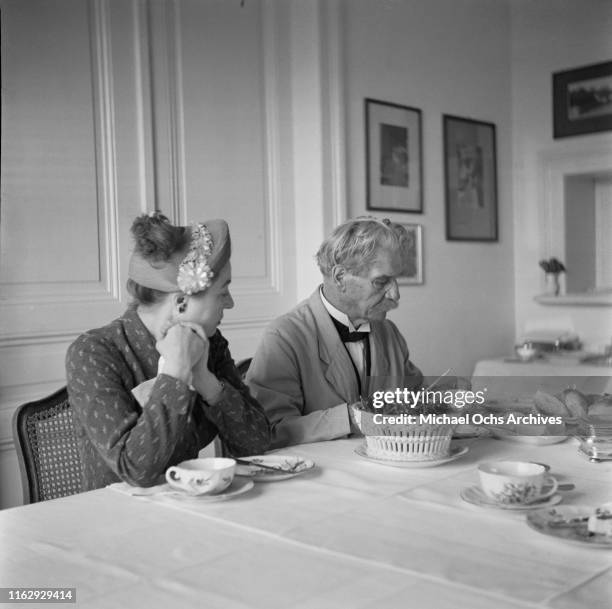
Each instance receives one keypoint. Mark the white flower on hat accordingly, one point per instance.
(194, 274)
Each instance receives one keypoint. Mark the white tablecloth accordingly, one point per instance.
(349, 534)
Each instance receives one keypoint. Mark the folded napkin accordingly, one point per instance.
(141, 491)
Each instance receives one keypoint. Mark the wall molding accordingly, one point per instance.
(272, 225)
(176, 115)
(7, 445)
(333, 74)
(144, 111)
(36, 339)
(251, 323)
(104, 133)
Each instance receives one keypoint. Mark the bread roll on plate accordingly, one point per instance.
(601, 405)
(575, 402)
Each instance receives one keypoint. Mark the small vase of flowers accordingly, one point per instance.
(553, 268)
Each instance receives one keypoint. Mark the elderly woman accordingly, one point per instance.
(155, 386)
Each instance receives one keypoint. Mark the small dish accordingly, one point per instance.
(569, 523)
(288, 466)
(455, 453)
(236, 488)
(475, 496)
(502, 434)
(467, 431)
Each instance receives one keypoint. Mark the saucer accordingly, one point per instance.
(501, 434)
(288, 466)
(236, 488)
(570, 524)
(455, 453)
(476, 496)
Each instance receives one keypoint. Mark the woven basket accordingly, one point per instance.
(420, 443)
(424, 442)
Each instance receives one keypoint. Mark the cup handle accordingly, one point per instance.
(172, 475)
(555, 484)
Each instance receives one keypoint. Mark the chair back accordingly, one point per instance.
(46, 445)
(242, 366)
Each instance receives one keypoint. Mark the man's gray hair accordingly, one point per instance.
(356, 243)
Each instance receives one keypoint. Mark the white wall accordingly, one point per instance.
(550, 36)
(444, 57)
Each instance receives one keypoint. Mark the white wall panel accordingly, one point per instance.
(61, 245)
(221, 97)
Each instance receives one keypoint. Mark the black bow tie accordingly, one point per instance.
(346, 336)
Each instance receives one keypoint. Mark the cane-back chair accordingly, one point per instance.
(47, 450)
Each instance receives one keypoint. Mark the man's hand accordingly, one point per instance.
(463, 383)
(354, 412)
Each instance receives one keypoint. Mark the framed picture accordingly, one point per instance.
(413, 271)
(471, 179)
(582, 100)
(394, 173)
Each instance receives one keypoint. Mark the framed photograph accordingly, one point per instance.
(470, 171)
(394, 172)
(413, 271)
(582, 100)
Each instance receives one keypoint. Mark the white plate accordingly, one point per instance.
(543, 521)
(288, 466)
(455, 453)
(237, 487)
(475, 496)
(535, 440)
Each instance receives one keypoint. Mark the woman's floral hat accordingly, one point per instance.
(189, 271)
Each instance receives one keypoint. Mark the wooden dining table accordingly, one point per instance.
(349, 533)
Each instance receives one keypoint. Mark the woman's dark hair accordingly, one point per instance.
(156, 240)
(142, 295)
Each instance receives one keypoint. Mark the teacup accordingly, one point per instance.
(515, 482)
(202, 476)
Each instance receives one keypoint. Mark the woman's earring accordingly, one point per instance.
(182, 305)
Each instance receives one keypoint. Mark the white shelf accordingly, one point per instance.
(595, 299)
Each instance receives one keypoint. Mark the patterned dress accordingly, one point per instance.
(121, 440)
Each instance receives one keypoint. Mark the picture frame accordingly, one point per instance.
(413, 271)
(582, 100)
(470, 172)
(394, 167)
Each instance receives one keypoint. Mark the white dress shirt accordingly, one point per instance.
(356, 350)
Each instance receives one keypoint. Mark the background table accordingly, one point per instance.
(349, 534)
(550, 374)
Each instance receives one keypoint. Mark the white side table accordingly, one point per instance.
(503, 376)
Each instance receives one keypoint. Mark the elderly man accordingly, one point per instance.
(328, 352)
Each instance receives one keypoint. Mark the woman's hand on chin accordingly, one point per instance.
(183, 345)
